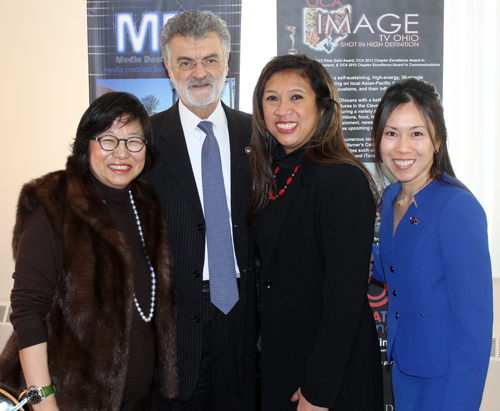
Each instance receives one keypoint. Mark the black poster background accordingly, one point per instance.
(366, 45)
(385, 40)
(114, 64)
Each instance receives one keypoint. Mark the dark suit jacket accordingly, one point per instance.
(317, 328)
(173, 180)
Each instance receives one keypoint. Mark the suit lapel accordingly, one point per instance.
(173, 150)
(239, 159)
(303, 178)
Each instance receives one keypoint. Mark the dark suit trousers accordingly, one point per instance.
(218, 387)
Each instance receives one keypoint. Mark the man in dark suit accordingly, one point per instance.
(195, 48)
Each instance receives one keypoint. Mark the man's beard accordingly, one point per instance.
(192, 97)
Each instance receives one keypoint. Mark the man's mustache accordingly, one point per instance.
(207, 80)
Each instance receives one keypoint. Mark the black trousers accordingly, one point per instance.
(218, 387)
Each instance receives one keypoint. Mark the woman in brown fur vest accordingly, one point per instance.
(92, 304)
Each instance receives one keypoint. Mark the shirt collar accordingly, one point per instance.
(190, 121)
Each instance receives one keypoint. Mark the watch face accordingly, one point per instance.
(34, 395)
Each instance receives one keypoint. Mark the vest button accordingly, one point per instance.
(196, 319)
(391, 268)
(268, 284)
(200, 227)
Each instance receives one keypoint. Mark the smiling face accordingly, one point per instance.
(407, 148)
(290, 111)
(117, 168)
(199, 89)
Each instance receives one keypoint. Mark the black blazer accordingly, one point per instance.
(317, 328)
(173, 180)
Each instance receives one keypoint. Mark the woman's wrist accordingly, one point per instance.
(48, 404)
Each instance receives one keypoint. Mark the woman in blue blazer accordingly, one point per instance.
(434, 257)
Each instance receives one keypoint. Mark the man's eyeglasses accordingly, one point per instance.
(208, 63)
(110, 143)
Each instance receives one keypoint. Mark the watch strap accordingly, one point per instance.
(49, 389)
(35, 394)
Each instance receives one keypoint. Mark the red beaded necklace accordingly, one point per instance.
(288, 181)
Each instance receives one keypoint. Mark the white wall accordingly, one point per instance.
(472, 107)
(44, 75)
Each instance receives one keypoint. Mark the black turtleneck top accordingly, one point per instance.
(39, 265)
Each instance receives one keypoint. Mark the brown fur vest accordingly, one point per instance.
(89, 322)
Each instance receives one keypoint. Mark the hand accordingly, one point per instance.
(305, 405)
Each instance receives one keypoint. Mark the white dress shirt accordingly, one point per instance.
(194, 141)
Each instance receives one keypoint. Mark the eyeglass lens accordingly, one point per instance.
(208, 63)
(133, 144)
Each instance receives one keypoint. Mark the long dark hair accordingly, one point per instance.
(101, 115)
(428, 102)
(327, 145)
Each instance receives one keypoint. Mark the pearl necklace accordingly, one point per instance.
(153, 276)
(271, 194)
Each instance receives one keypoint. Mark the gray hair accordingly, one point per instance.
(197, 24)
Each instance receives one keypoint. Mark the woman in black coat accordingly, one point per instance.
(312, 218)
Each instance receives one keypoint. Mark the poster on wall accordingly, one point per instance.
(366, 46)
(124, 48)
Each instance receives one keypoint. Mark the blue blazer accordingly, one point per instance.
(438, 274)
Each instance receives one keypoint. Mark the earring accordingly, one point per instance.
(436, 151)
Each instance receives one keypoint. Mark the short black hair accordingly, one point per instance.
(101, 115)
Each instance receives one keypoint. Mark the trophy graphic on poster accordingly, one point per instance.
(292, 36)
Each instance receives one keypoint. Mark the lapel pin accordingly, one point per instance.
(248, 150)
(414, 220)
